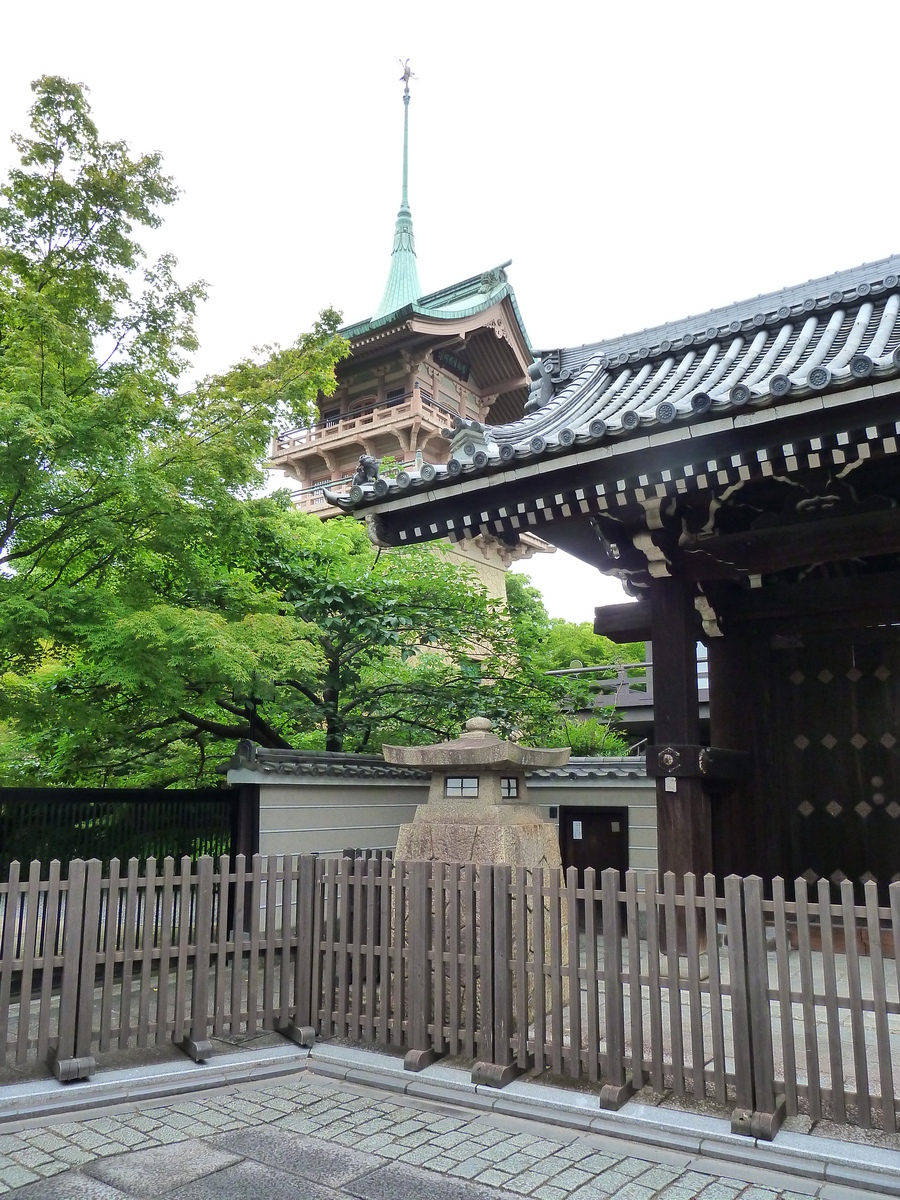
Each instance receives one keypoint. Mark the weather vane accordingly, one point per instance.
(407, 75)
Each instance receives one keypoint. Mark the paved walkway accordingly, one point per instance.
(314, 1138)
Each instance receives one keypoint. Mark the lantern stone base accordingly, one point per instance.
(487, 834)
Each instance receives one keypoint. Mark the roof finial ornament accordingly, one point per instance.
(402, 286)
(407, 75)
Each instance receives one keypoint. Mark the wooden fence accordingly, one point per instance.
(768, 1006)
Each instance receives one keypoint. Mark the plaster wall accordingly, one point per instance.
(309, 814)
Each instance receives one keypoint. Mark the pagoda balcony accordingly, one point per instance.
(385, 415)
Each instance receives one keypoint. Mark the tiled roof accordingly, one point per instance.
(464, 299)
(250, 757)
(814, 338)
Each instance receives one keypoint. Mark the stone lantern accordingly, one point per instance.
(478, 809)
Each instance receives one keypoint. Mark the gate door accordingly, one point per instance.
(837, 705)
(594, 837)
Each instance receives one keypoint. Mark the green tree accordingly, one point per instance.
(330, 645)
(127, 525)
(586, 721)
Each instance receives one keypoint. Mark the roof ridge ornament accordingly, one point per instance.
(402, 285)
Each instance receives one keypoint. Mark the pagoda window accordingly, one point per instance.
(461, 787)
(394, 396)
(331, 418)
(509, 788)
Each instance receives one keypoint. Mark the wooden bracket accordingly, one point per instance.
(303, 1035)
(197, 1049)
(494, 1075)
(67, 1070)
(755, 1124)
(614, 1095)
(418, 1060)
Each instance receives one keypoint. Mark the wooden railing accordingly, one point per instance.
(363, 420)
(760, 1000)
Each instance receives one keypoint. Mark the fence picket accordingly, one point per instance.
(758, 996)
(520, 954)
(68, 990)
(503, 979)
(635, 995)
(385, 884)
(269, 903)
(673, 982)
(8, 954)
(331, 916)
(698, 1057)
(49, 961)
(286, 941)
(367, 1033)
(612, 979)
(307, 894)
(572, 974)
(785, 1003)
(715, 988)
(807, 991)
(252, 917)
(183, 918)
(165, 952)
(129, 936)
(832, 1015)
(539, 991)
(556, 992)
(454, 1011)
(28, 951)
(438, 966)
(221, 919)
(882, 1029)
(148, 934)
(592, 981)
(857, 1029)
(358, 913)
(740, 1009)
(485, 927)
(237, 924)
(657, 1053)
(469, 948)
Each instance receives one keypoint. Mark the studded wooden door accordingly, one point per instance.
(836, 704)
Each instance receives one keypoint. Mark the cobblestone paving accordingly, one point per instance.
(316, 1139)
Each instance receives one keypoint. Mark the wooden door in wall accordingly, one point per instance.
(836, 729)
(594, 837)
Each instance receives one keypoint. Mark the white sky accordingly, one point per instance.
(637, 161)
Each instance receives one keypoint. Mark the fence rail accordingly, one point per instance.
(769, 1006)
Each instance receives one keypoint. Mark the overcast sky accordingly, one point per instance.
(637, 161)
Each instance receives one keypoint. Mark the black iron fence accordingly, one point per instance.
(124, 823)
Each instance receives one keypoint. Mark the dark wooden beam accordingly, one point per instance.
(781, 547)
(624, 623)
(683, 816)
(863, 599)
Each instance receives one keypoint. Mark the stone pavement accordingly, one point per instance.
(314, 1138)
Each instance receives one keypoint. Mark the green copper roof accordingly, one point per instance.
(402, 285)
(464, 299)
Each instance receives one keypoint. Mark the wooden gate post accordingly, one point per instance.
(197, 1044)
(301, 1029)
(419, 980)
(65, 1061)
(769, 1110)
(618, 1086)
(501, 1068)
